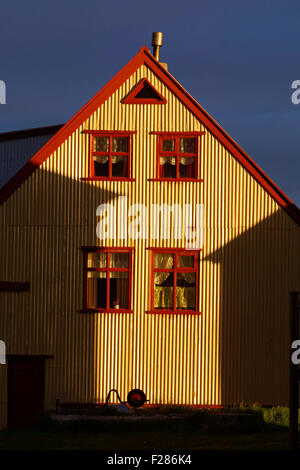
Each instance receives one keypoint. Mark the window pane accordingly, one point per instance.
(119, 166)
(101, 144)
(186, 291)
(163, 260)
(96, 289)
(119, 290)
(163, 290)
(185, 261)
(187, 145)
(119, 260)
(168, 167)
(187, 167)
(97, 260)
(101, 165)
(168, 145)
(120, 144)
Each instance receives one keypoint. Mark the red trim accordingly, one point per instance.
(177, 154)
(107, 270)
(102, 310)
(73, 124)
(103, 178)
(114, 133)
(131, 98)
(244, 159)
(178, 180)
(172, 312)
(171, 250)
(145, 57)
(176, 269)
(110, 135)
(177, 134)
(107, 248)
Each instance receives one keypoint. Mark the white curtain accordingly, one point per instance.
(104, 159)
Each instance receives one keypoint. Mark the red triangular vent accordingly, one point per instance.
(144, 93)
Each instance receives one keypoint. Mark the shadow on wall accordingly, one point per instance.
(258, 269)
(47, 320)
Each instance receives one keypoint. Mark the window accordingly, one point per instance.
(109, 155)
(174, 281)
(107, 279)
(177, 156)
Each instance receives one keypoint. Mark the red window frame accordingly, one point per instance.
(107, 269)
(110, 135)
(176, 269)
(160, 153)
(131, 98)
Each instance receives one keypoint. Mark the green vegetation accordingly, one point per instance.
(241, 427)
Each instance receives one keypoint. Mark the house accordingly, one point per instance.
(105, 282)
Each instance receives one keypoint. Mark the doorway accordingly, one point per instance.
(26, 387)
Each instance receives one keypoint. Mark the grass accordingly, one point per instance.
(268, 430)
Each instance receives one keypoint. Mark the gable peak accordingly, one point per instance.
(144, 93)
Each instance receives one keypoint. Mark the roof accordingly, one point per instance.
(144, 56)
(36, 131)
(17, 147)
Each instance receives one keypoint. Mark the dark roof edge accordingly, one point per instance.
(36, 131)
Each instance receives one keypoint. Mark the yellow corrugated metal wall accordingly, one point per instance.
(237, 349)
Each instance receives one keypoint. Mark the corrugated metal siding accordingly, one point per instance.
(14, 153)
(237, 349)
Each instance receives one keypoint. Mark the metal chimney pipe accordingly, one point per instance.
(156, 43)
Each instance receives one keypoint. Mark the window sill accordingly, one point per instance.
(178, 180)
(101, 310)
(101, 178)
(172, 312)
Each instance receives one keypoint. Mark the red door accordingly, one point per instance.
(26, 382)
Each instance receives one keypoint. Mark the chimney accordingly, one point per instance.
(157, 39)
(156, 43)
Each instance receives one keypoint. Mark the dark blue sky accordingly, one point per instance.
(237, 59)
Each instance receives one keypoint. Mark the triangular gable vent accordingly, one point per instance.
(144, 93)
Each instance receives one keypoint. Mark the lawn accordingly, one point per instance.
(159, 440)
(268, 431)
